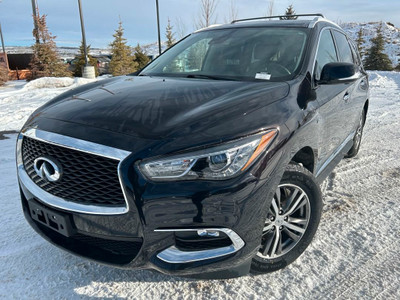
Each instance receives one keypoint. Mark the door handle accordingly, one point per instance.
(346, 97)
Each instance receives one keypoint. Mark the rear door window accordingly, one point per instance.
(356, 56)
(343, 47)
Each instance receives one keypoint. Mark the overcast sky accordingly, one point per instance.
(139, 17)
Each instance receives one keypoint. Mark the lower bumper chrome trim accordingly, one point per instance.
(175, 256)
(61, 203)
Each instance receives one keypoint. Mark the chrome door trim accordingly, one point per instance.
(335, 153)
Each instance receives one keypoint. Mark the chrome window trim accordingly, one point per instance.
(335, 153)
(175, 256)
(78, 145)
(316, 49)
(334, 41)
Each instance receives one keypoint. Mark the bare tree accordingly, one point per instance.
(270, 8)
(207, 13)
(181, 28)
(233, 12)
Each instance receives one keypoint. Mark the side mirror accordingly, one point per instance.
(338, 72)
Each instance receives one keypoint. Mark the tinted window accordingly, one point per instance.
(343, 47)
(326, 52)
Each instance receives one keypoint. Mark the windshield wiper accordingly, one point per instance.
(202, 76)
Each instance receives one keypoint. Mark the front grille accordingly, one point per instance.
(87, 178)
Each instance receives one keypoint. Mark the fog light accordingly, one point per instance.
(205, 232)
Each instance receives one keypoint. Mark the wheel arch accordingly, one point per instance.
(306, 156)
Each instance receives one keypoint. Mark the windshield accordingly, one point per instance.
(273, 54)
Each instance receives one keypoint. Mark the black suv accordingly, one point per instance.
(207, 162)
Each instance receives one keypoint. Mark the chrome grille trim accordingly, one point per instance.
(75, 144)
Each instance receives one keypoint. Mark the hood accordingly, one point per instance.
(156, 107)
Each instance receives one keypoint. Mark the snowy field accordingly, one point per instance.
(355, 254)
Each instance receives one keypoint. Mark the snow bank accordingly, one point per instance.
(56, 82)
(385, 80)
(18, 99)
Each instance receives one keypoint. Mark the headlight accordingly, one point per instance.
(221, 162)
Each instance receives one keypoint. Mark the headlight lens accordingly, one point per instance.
(221, 162)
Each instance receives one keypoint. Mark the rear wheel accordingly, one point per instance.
(291, 221)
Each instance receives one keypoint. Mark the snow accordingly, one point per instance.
(19, 99)
(355, 254)
(55, 82)
(390, 33)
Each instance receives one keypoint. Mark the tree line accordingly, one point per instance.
(374, 58)
(126, 59)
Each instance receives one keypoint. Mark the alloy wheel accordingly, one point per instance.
(286, 223)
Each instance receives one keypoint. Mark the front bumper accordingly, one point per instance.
(145, 234)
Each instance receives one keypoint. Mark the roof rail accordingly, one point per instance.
(274, 17)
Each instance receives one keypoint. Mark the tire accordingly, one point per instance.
(357, 138)
(303, 220)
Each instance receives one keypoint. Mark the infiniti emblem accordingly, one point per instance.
(47, 168)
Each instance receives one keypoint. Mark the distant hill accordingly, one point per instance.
(70, 52)
(389, 31)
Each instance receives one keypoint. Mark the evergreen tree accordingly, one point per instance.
(170, 35)
(195, 55)
(140, 57)
(122, 60)
(375, 58)
(360, 41)
(80, 62)
(289, 13)
(45, 60)
(192, 61)
(3, 75)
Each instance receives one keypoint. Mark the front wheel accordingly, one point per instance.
(291, 221)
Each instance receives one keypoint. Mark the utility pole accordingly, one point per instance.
(158, 27)
(4, 49)
(2, 40)
(88, 70)
(35, 15)
(83, 33)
